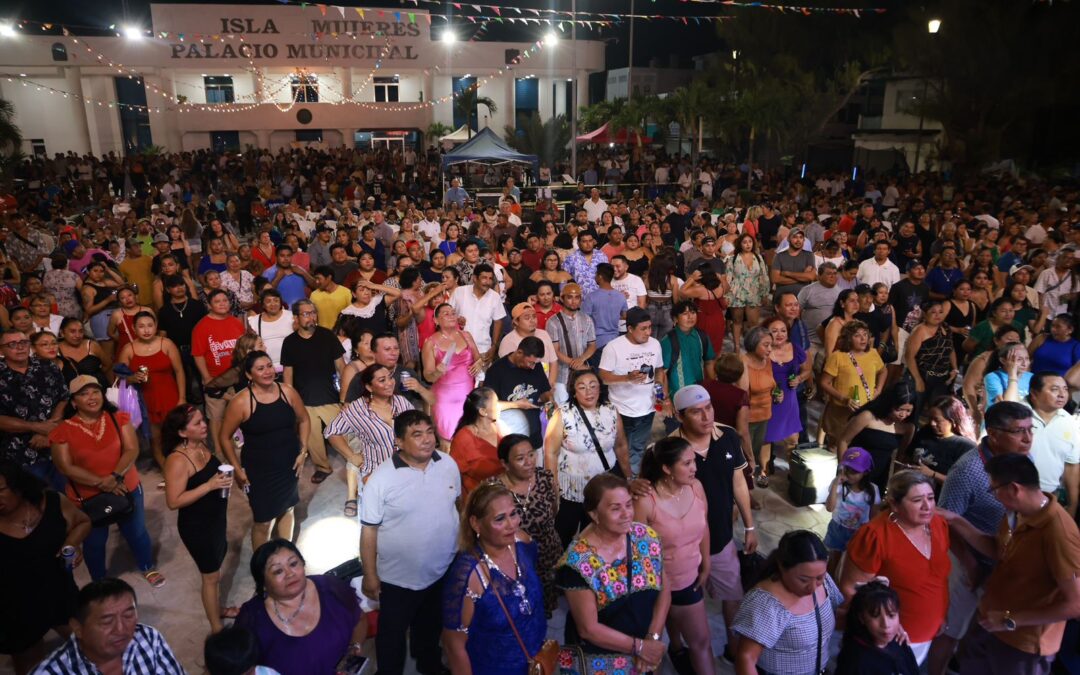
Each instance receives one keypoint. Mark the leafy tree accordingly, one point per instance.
(437, 130)
(466, 103)
(547, 140)
(11, 153)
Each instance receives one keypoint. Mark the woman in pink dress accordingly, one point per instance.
(451, 364)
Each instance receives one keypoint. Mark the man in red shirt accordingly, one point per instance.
(533, 255)
(212, 342)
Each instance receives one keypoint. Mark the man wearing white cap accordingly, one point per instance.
(719, 458)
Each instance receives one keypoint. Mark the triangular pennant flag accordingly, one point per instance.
(457, 5)
(428, 19)
(360, 12)
(476, 7)
(322, 8)
(397, 17)
(412, 17)
(498, 12)
(341, 10)
(517, 10)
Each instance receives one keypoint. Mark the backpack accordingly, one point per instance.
(676, 347)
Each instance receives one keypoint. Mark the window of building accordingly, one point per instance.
(59, 52)
(907, 100)
(219, 89)
(305, 88)
(309, 135)
(459, 85)
(134, 115)
(526, 101)
(37, 146)
(386, 89)
(223, 141)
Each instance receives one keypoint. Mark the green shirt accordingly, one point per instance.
(690, 368)
(983, 333)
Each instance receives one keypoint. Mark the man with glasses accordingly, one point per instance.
(967, 493)
(1034, 588)
(32, 401)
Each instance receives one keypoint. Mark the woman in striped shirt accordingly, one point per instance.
(367, 424)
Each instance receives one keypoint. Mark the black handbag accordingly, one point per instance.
(106, 508)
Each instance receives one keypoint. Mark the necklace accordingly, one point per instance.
(292, 617)
(924, 550)
(181, 310)
(30, 522)
(518, 589)
(524, 505)
(83, 427)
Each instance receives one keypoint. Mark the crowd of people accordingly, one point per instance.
(597, 387)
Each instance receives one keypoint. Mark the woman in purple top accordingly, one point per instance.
(304, 625)
(790, 369)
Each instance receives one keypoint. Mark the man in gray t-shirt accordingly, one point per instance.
(818, 298)
(793, 269)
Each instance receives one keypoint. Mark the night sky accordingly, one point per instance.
(652, 39)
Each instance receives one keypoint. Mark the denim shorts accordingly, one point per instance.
(837, 536)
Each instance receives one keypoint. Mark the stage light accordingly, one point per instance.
(133, 32)
(448, 37)
(551, 39)
(7, 30)
(934, 25)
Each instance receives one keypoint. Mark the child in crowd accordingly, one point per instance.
(852, 500)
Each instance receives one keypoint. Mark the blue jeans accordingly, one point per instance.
(638, 434)
(47, 471)
(133, 528)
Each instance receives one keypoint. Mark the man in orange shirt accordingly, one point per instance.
(1035, 587)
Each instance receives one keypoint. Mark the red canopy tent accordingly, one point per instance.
(603, 136)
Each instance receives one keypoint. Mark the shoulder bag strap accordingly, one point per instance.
(509, 618)
(74, 488)
(592, 434)
(862, 377)
(566, 335)
(817, 620)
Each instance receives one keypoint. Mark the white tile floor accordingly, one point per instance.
(326, 538)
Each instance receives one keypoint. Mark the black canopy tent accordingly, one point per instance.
(486, 148)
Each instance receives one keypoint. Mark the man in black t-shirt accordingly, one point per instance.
(176, 319)
(769, 226)
(720, 459)
(518, 379)
(679, 222)
(910, 292)
(311, 356)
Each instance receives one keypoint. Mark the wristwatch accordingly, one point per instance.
(118, 476)
(1007, 621)
(653, 636)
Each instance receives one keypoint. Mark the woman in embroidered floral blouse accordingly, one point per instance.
(612, 575)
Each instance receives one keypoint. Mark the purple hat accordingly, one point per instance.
(857, 459)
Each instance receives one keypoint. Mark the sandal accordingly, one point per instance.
(154, 578)
(762, 481)
(350, 508)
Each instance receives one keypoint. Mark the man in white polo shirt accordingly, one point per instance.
(410, 522)
(481, 307)
(1055, 441)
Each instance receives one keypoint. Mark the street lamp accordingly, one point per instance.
(932, 27)
(133, 32)
(448, 36)
(551, 39)
(7, 30)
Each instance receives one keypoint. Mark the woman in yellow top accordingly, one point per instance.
(853, 375)
(758, 382)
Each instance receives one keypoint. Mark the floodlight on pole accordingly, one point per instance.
(551, 39)
(133, 32)
(448, 37)
(7, 30)
(933, 26)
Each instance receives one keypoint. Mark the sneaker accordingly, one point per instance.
(154, 578)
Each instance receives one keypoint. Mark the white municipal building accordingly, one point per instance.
(228, 76)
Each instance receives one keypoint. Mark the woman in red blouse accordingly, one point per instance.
(908, 544)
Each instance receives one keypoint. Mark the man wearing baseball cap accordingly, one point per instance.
(720, 459)
(524, 321)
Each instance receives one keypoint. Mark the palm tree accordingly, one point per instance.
(547, 140)
(466, 102)
(10, 136)
(687, 106)
(10, 141)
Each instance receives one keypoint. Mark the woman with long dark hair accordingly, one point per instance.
(662, 292)
(785, 621)
(881, 426)
(475, 439)
(948, 433)
(198, 490)
(844, 310)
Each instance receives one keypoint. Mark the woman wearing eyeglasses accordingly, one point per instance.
(493, 601)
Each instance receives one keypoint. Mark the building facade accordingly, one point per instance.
(223, 76)
(892, 135)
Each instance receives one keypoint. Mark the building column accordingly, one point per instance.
(257, 84)
(344, 76)
(262, 138)
(73, 84)
(582, 88)
(348, 138)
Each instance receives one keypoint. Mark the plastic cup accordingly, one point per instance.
(226, 469)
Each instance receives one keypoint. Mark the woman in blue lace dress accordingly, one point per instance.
(493, 601)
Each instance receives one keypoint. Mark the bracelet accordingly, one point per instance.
(654, 636)
(118, 476)
(749, 529)
(638, 647)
